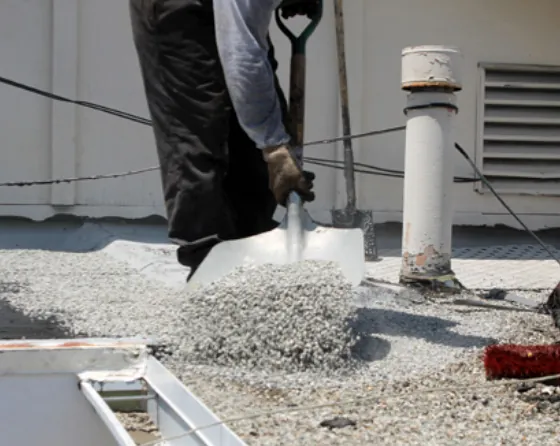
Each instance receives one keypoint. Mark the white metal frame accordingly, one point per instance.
(110, 420)
(116, 365)
(479, 123)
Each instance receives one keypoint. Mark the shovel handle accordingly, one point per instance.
(299, 42)
(294, 229)
(297, 105)
(297, 99)
(294, 199)
(297, 72)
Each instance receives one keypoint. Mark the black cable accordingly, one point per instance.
(145, 121)
(362, 168)
(381, 171)
(313, 161)
(329, 164)
(371, 170)
(76, 179)
(366, 166)
(86, 104)
(399, 128)
(321, 163)
(504, 204)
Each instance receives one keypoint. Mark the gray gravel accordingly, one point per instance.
(273, 317)
(139, 426)
(408, 344)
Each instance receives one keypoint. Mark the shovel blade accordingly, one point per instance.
(342, 246)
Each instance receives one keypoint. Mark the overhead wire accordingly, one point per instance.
(487, 183)
(362, 168)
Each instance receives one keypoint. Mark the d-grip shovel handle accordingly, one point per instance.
(299, 42)
(297, 82)
(297, 121)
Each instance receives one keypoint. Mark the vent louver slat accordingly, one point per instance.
(521, 129)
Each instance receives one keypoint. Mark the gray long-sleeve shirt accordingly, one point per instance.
(241, 34)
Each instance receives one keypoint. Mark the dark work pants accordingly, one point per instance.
(215, 180)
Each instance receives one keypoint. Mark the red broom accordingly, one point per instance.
(526, 361)
(521, 361)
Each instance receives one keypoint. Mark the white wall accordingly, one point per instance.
(486, 31)
(24, 118)
(94, 59)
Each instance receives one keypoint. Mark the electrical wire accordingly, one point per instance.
(85, 104)
(373, 170)
(145, 121)
(362, 168)
(399, 128)
(485, 181)
(331, 164)
(77, 179)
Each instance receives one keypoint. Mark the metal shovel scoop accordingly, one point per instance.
(297, 237)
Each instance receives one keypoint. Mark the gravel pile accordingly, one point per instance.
(273, 317)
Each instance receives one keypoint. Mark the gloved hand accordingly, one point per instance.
(291, 8)
(286, 175)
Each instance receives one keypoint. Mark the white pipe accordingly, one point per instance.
(428, 186)
(429, 163)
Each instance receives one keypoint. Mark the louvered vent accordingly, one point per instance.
(520, 129)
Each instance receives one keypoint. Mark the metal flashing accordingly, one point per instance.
(77, 377)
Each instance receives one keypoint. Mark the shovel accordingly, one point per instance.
(350, 217)
(297, 237)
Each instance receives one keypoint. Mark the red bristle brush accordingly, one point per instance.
(526, 361)
(521, 361)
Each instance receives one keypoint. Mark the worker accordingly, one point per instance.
(219, 117)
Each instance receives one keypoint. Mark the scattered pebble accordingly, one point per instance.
(337, 423)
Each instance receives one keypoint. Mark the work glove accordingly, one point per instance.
(285, 175)
(291, 8)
